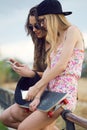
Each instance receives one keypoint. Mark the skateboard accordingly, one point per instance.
(49, 102)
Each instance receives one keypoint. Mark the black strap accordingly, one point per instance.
(69, 125)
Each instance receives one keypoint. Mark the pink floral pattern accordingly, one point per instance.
(66, 82)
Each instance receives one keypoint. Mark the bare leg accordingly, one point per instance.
(52, 126)
(13, 116)
(38, 120)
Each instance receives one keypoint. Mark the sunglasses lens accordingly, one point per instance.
(30, 27)
(37, 26)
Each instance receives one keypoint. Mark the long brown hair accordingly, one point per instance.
(39, 44)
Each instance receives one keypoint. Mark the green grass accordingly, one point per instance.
(2, 127)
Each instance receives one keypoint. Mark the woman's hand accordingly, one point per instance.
(15, 62)
(32, 92)
(21, 69)
(33, 105)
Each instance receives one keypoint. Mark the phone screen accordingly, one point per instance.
(9, 62)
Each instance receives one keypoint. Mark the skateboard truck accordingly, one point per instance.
(51, 112)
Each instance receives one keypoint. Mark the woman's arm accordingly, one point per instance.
(50, 73)
(23, 70)
(67, 50)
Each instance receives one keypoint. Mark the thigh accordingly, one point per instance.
(38, 120)
(19, 113)
(52, 126)
(14, 113)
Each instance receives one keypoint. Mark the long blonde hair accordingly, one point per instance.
(55, 23)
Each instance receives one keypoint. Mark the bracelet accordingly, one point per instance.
(36, 77)
(36, 74)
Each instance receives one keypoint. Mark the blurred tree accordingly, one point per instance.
(6, 73)
(2, 127)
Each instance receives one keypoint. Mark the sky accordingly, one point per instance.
(14, 41)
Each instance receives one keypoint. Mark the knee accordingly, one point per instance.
(15, 112)
(3, 119)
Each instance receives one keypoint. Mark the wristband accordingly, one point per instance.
(36, 76)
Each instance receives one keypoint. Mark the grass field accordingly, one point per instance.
(2, 127)
(81, 109)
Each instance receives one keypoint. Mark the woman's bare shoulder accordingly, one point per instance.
(75, 32)
(73, 29)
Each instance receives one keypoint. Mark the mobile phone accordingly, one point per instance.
(24, 93)
(9, 62)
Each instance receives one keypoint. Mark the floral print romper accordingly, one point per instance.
(66, 82)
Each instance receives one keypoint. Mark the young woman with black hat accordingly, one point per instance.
(64, 63)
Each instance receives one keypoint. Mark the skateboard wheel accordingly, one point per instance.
(27, 110)
(65, 101)
(50, 114)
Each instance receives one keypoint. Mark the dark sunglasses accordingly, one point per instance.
(36, 25)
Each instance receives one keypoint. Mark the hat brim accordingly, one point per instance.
(56, 12)
(66, 13)
(23, 84)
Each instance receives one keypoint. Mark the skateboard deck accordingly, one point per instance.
(48, 100)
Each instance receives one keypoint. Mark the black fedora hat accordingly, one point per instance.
(51, 7)
(23, 84)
